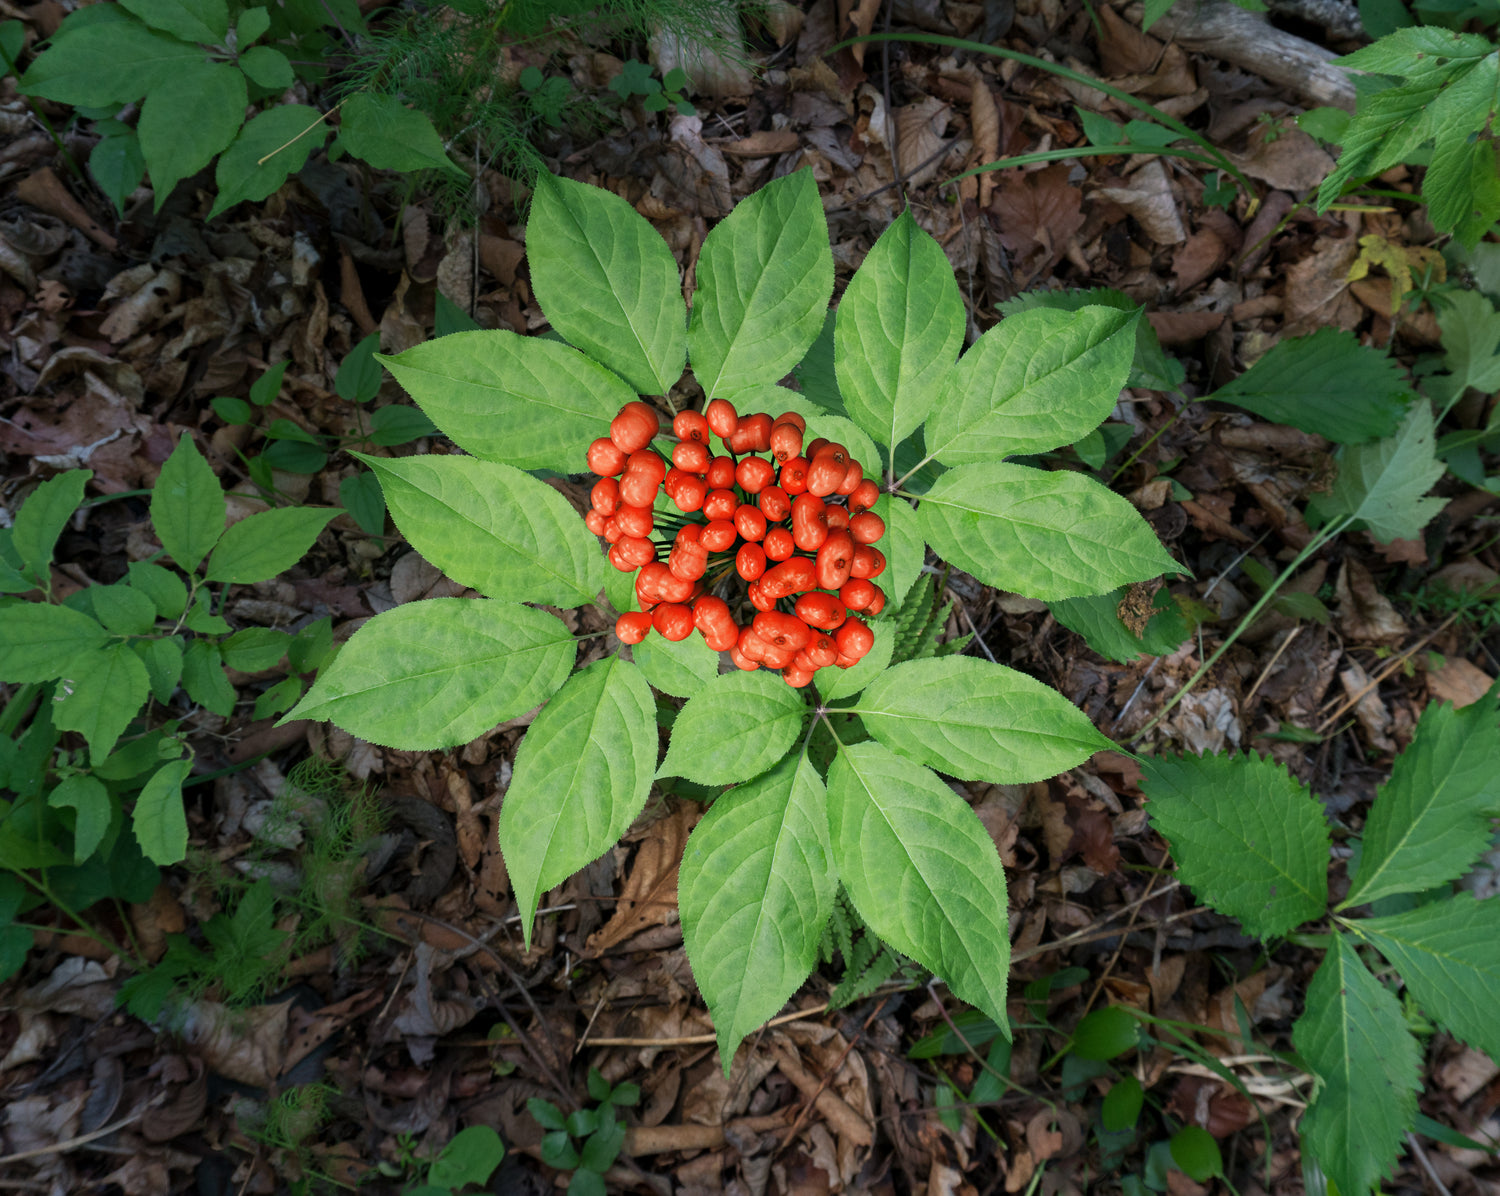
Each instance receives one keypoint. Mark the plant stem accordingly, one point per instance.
(17, 708)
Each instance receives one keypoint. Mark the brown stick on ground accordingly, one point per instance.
(845, 1120)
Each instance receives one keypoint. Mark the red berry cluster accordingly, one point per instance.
(796, 525)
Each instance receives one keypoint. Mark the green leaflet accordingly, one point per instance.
(1151, 368)
(1097, 619)
(1471, 334)
(1448, 952)
(42, 518)
(680, 669)
(607, 282)
(1044, 535)
(977, 721)
(189, 118)
(159, 820)
(162, 656)
(267, 543)
(441, 672)
(532, 403)
(899, 329)
(1247, 836)
(836, 683)
(1428, 823)
(187, 506)
(110, 62)
(204, 21)
(284, 136)
(583, 772)
(492, 527)
(1354, 1038)
(41, 643)
(104, 697)
(756, 888)
(1039, 379)
(390, 136)
(737, 726)
(266, 67)
(204, 678)
(922, 871)
(89, 800)
(123, 609)
(765, 275)
(255, 648)
(904, 545)
(165, 589)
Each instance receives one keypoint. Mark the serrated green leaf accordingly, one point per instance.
(680, 669)
(204, 21)
(187, 506)
(262, 545)
(1352, 1035)
(1038, 380)
(977, 721)
(904, 545)
(204, 678)
(267, 67)
(1380, 485)
(162, 657)
(1097, 619)
(390, 136)
(922, 871)
(899, 329)
(441, 672)
(764, 275)
(834, 683)
(1428, 823)
(159, 821)
(737, 726)
(756, 887)
(89, 800)
(492, 527)
(1151, 368)
(1248, 837)
(1462, 184)
(1471, 338)
(1416, 52)
(123, 609)
(525, 401)
(255, 648)
(42, 518)
(111, 62)
(1044, 535)
(39, 642)
(607, 282)
(270, 147)
(103, 698)
(187, 119)
(166, 590)
(582, 774)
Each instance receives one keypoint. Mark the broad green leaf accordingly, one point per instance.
(607, 282)
(1044, 535)
(204, 21)
(1354, 1038)
(1471, 338)
(166, 590)
(1151, 368)
(441, 672)
(15, 944)
(1429, 821)
(270, 147)
(363, 498)
(201, 618)
(1448, 952)
(470, 1157)
(101, 700)
(12, 579)
(267, 67)
(1037, 380)
(977, 721)
(1247, 836)
(1106, 1034)
(737, 726)
(1195, 1151)
(922, 871)
(112, 62)
(42, 518)
(525, 401)
(162, 657)
(680, 669)
(764, 277)
(89, 800)
(159, 820)
(281, 696)
(255, 648)
(390, 136)
(756, 888)
(187, 506)
(204, 678)
(1122, 1104)
(492, 527)
(264, 544)
(899, 330)
(396, 424)
(251, 27)
(583, 772)
(358, 378)
(123, 609)
(904, 545)
(834, 683)
(39, 642)
(1097, 619)
(1327, 384)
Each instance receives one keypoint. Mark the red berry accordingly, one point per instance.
(877, 604)
(688, 560)
(637, 550)
(595, 522)
(866, 527)
(796, 676)
(750, 561)
(633, 626)
(635, 427)
(838, 517)
(774, 503)
(820, 610)
(749, 522)
(778, 544)
(758, 598)
(690, 494)
(809, 522)
(690, 425)
(648, 583)
(720, 475)
(754, 474)
(793, 477)
(791, 417)
(605, 457)
(834, 559)
(720, 504)
(753, 434)
(673, 621)
(691, 456)
(718, 535)
(854, 638)
(857, 593)
(794, 575)
(786, 632)
(741, 661)
(867, 562)
(634, 521)
(854, 477)
(821, 650)
(786, 441)
(825, 473)
(864, 496)
(721, 417)
(688, 533)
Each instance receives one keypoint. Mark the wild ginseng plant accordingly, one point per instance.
(760, 536)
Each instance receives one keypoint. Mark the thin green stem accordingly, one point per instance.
(1130, 460)
(17, 708)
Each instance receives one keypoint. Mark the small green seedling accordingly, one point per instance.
(587, 1141)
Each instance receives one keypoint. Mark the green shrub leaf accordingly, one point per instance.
(1354, 1038)
(756, 887)
(1428, 822)
(492, 527)
(284, 136)
(583, 772)
(204, 678)
(680, 669)
(607, 282)
(187, 506)
(1122, 1104)
(899, 329)
(89, 800)
(123, 609)
(1247, 836)
(255, 648)
(441, 672)
(834, 683)
(111, 62)
(529, 402)
(1044, 535)
(765, 276)
(159, 820)
(187, 119)
(737, 727)
(42, 518)
(1097, 618)
(267, 543)
(162, 656)
(103, 698)
(165, 589)
(1037, 380)
(267, 67)
(922, 871)
(39, 642)
(205, 21)
(1106, 1034)
(470, 1157)
(1381, 485)
(390, 136)
(977, 721)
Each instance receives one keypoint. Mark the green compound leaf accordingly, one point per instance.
(977, 721)
(1037, 380)
(284, 137)
(492, 527)
(123, 609)
(922, 871)
(1448, 952)
(42, 518)
(737, 727)
(187, 506)
(39, 642)
(583, 772)
(756, 887)
(607, 282)
(1381, 485)
(159, 821)
(188, 119)
(765, 276)
(110, 62)
(1247, 836)
(441, 672)
(1354, 1038)
(204, 678)
(165, 589)
(1429, 821)
(681, 669)
(205, 21)
(390, 136)
(162, 657)
(899, 329)
(525, 401)
(89, 800)
(267, 543)
(103, 698)
(1044, 535)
